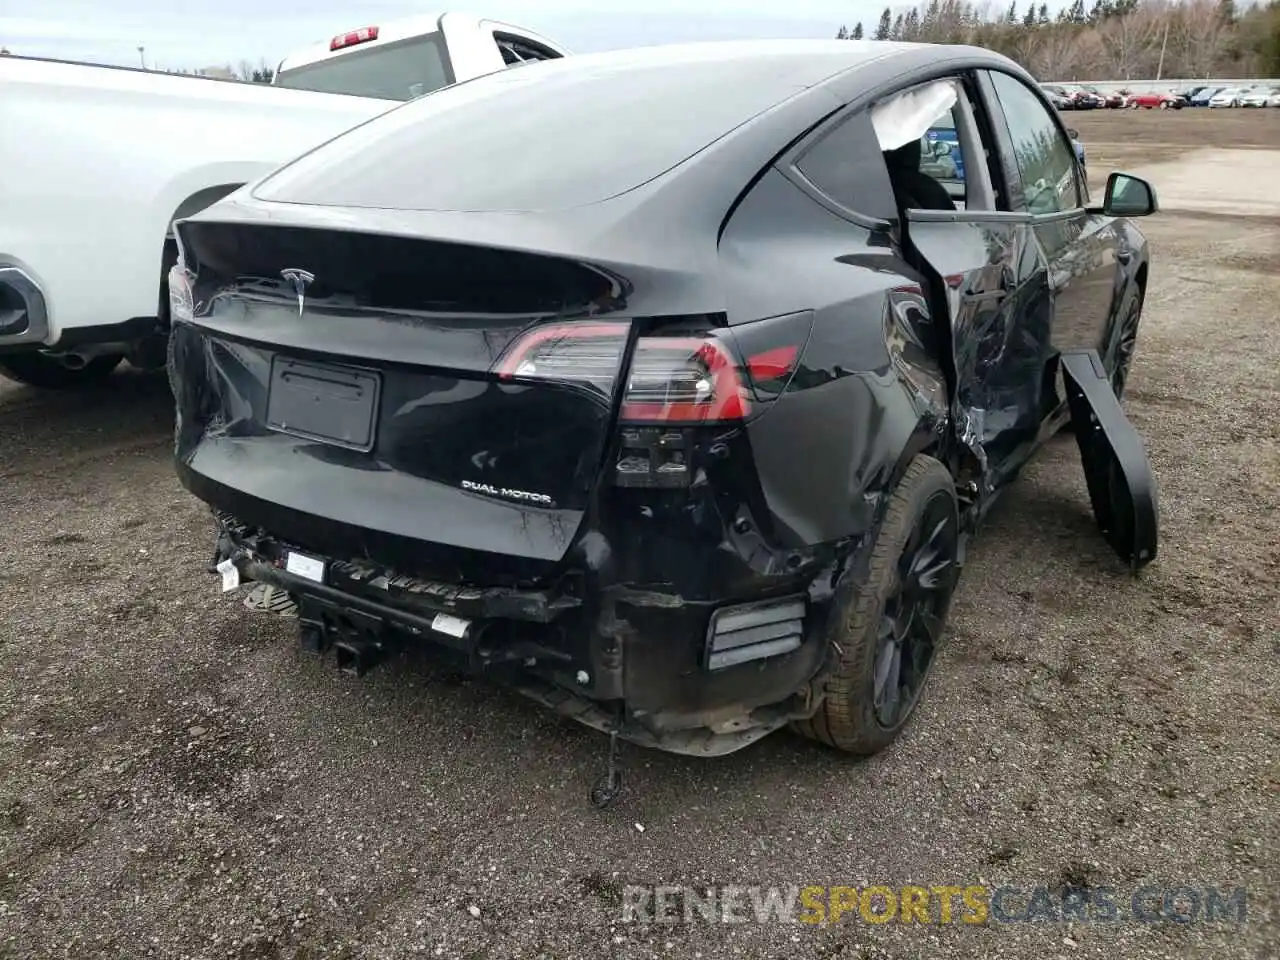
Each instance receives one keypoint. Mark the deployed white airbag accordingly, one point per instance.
(909, 115)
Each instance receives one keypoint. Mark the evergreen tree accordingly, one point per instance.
(1044, 14)
(857, 31)
(882, 28)
(1029, 18)
(896, 32)
(1012, 15)
(842, 33)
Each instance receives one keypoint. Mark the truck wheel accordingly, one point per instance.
(895, 622)
(50, 373)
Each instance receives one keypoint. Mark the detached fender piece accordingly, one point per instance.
(1122, 487)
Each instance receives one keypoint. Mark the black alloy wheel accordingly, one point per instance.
(894, 623)
(911, 622)
(1126, 344)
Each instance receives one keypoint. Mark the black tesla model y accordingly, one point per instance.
(668, 384)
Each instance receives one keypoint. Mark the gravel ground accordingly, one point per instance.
(177, 781)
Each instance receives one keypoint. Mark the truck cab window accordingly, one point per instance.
(394, 71)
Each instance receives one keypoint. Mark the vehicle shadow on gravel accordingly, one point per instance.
(132, 408)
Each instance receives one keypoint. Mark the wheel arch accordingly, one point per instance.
(205, 197)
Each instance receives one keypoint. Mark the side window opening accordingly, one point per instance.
(931, 148)
(920, 148)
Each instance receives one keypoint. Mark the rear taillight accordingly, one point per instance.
(181, 303)
(584, 353)
(686, 378)
(363, 35)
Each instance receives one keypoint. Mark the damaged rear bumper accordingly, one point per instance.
(691, 677)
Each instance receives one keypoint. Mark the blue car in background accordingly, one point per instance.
(950, 161)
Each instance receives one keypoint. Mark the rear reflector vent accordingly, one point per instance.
(754, 631)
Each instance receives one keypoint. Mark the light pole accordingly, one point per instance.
(142, 56)
(1163, 45)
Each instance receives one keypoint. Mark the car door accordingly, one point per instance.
(1082, 248)
(991, 286)
(995, 287)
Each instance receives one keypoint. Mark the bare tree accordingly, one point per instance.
(1059, 55)
(1114, 40)
(1202, 36)
(1128, 41)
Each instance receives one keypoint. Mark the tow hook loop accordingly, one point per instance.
(357, 657)
(312, 638)
(608, 787)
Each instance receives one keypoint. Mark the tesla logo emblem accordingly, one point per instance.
(299, 279)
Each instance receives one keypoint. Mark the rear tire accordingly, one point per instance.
(902, 606)
(47, 373)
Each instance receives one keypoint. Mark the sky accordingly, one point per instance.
(200, 33)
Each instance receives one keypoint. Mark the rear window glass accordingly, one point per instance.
(847, 165)
(395, 71)
(545, 136)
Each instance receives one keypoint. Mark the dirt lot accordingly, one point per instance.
(177, 781)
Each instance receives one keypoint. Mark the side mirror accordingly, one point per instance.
(1073, 133)
(1129, 196)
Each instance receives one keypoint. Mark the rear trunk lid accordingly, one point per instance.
(368, 394)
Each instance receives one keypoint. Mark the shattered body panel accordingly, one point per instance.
(488, 429)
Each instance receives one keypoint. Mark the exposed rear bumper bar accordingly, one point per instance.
(411, 622)
(357, 655)
(693, 677)
(372, 585)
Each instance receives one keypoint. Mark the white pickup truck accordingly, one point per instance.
(96, 163)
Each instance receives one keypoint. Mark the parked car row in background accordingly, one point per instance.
(1077, 97)
(1263, 96)
(1071, 97)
